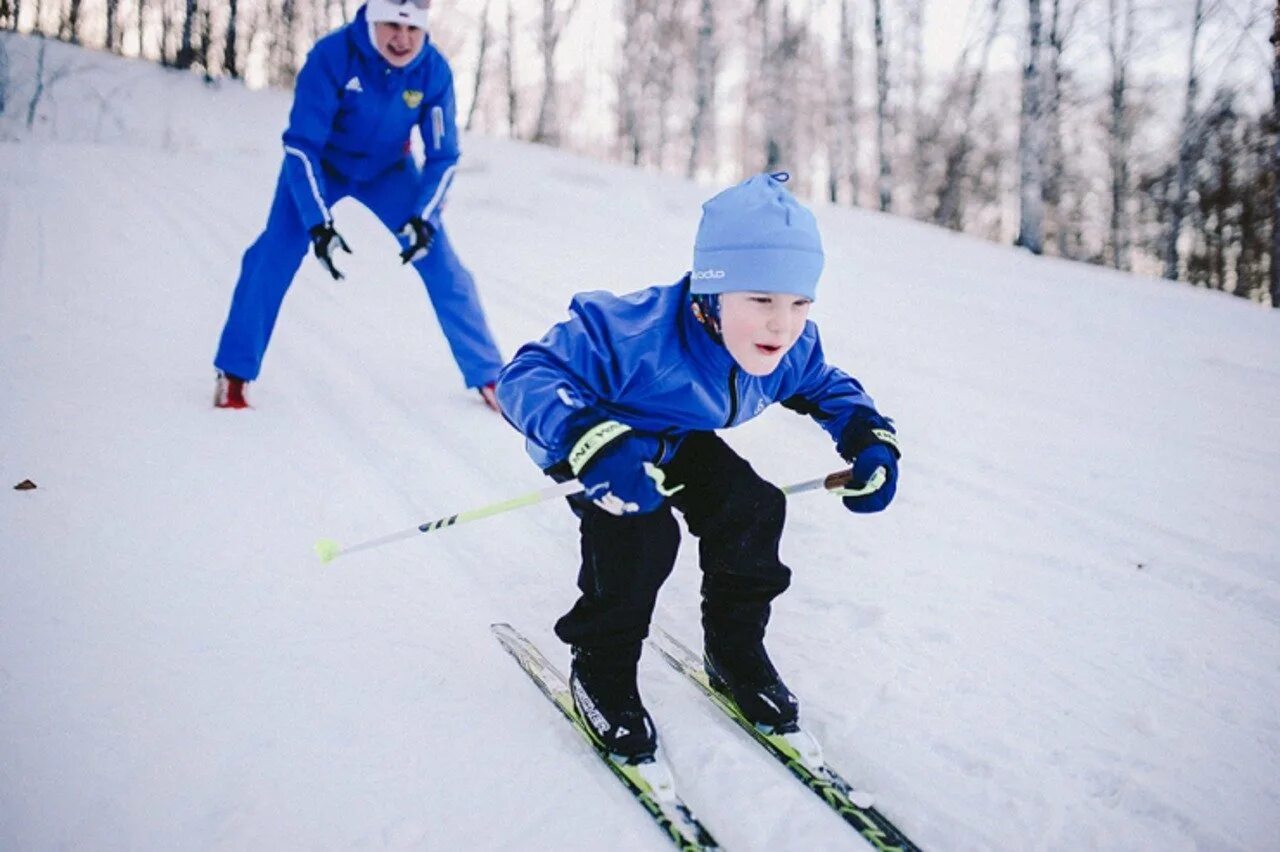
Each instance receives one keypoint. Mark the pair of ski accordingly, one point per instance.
(651, 783)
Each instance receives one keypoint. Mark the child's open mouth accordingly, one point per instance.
(766, 349)
(397, 52)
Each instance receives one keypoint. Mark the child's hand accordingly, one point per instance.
(617, 468)
(871, 443)
(873, 480)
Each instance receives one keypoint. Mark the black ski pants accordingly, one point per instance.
(737, 517)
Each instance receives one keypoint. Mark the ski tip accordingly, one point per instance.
(327, 549)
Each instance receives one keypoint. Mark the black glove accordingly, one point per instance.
(323, 241)
(870, 442)
(420, 235)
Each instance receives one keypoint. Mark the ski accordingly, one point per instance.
(798, 751)
(650, 782)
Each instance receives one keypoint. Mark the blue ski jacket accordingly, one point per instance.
(352, 114)
(643, 359)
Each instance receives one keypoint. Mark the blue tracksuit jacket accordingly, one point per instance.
(348, 135)
(644, 360)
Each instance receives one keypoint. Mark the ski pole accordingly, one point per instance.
(328, 549)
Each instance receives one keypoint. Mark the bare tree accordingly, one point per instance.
(139, 20)
(843, 145)
(1275, 161)
(230, 60)
(513, 102)
(1061, 26)
(783, 105)
(884, 180)
(71, 24)
(951, 196)
(1120, 41)
(914, 62)
(705, 65)
(187, 49)
(1031, 145)
(4, 76)
(630, 83)
(1186, 149)
(480, 64)
(113, 31)
(9, 15)
(166, 32)
(554, 21)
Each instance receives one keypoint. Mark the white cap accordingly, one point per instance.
(412, 13)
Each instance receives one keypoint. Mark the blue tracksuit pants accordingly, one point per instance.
(272, 261)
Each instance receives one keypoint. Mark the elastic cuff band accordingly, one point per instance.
(593, 441)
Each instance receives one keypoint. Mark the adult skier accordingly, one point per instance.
(627, 396)
(361, 91)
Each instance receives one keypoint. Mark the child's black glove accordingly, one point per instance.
(324, 239)
(420, 235)
(871, 444)
(617, 468)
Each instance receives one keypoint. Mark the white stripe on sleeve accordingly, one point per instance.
(311, 178)
(441, 189)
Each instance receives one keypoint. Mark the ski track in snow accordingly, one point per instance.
(1064, 634)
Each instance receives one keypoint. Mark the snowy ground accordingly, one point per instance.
(1064, 634)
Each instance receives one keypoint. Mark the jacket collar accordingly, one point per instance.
(705, 352)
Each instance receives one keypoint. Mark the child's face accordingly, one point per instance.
(760, 328)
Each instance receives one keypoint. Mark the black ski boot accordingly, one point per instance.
(603, 680)
(743, 672)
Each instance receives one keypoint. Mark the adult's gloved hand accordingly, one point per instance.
(420, 234)
(324, 240)
(617, 468)
(871, 444)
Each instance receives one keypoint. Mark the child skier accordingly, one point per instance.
(627, 396)
(359, 94)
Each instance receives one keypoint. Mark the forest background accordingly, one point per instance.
(1135, 134)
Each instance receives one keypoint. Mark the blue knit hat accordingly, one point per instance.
(755, 236)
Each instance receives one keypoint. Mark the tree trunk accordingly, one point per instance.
(704, 86)
(1120, 45)
(1055, 173)
(113, 32)
(484, 49)
(230, 62)
(73, 21)
(1186, 144)
(630, 82)
(547, 129)
(844, 118)
(1031, 145)
(187, 50)
(513, 101)
(956, 174)
(884, 182)
(915, 91)
(1275, 163)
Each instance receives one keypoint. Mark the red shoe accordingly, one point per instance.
(490, 396)
(230, 392)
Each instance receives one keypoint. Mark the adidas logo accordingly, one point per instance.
(353, 85)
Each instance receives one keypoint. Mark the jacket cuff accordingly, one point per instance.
(595, 439)
(864, 430)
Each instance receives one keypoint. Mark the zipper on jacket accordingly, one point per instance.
(733, 396)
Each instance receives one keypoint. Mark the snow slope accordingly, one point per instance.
(1064, 634)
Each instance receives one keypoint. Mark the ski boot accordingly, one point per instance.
(603, 681)
(744, 672)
